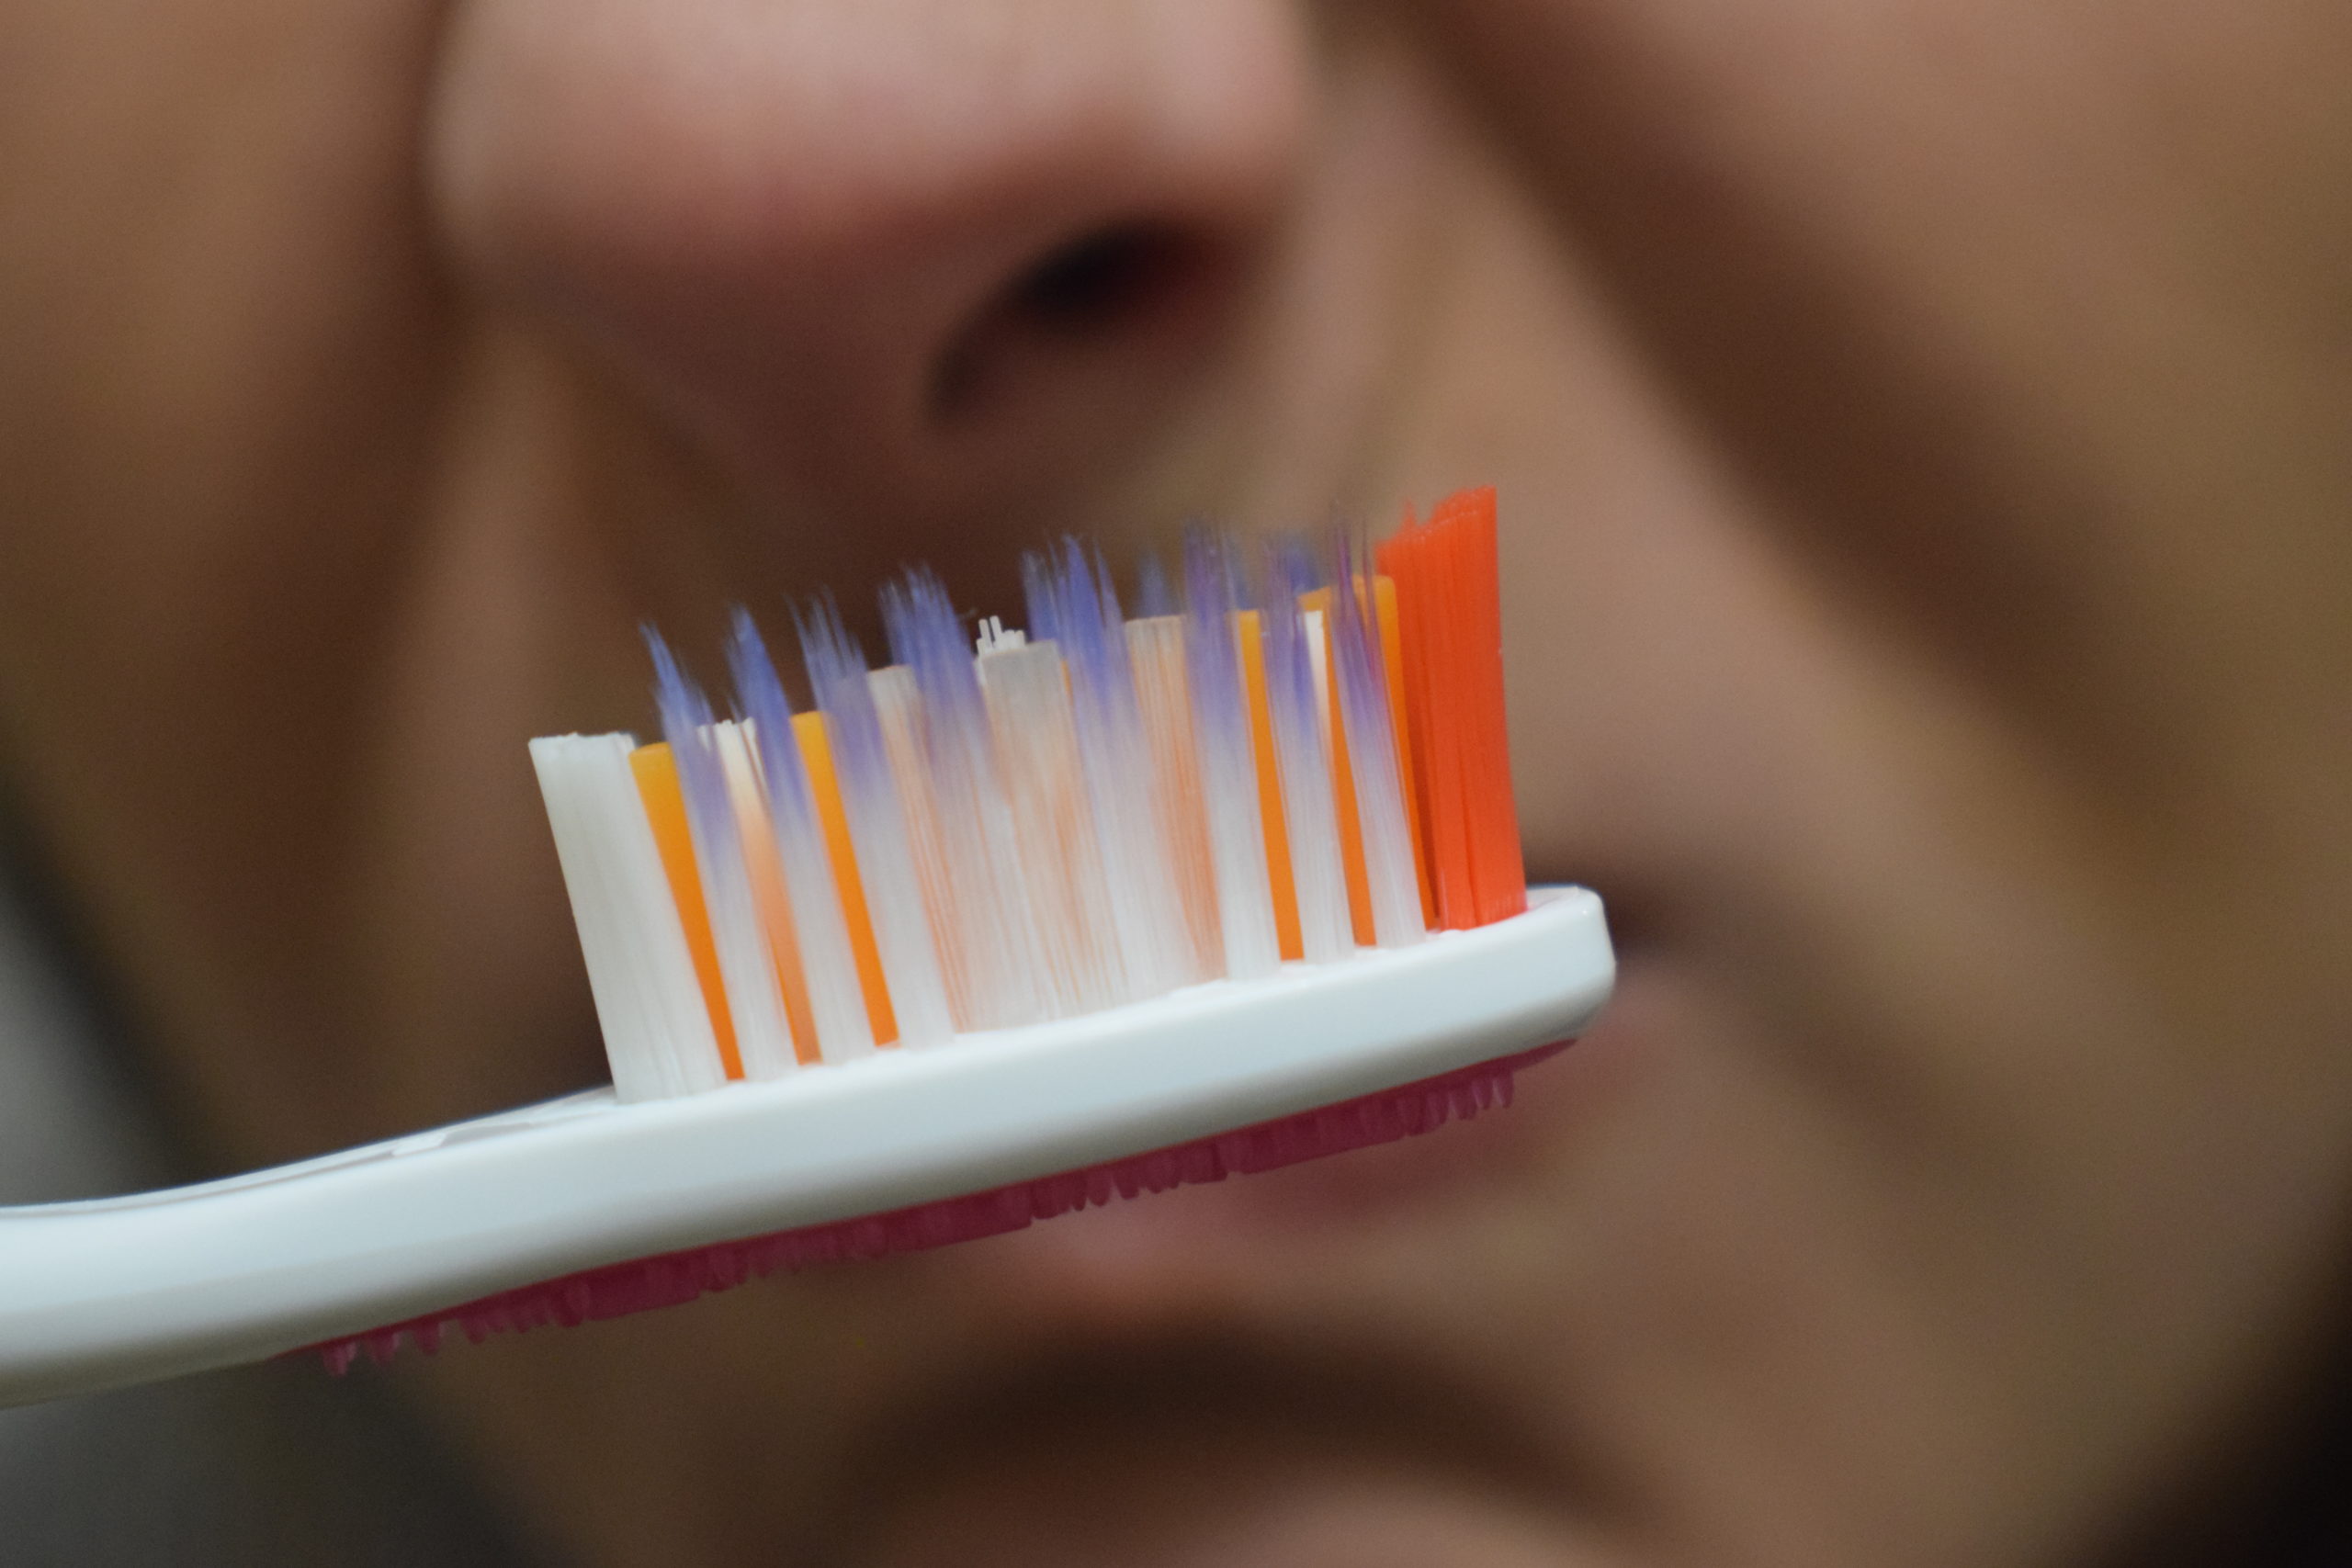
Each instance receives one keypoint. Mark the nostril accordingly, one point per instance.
(1124, 278)
(1095, 281)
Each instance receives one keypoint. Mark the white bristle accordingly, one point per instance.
(897, 709)
(996, 925)
(753, 999)
(835, 999)
(657, 1031)
(1071, 602)
(1296, 690)
(1373, 766)
(955, 818)
(765, 1044)
(753, 1002)
(1314, 638)
(1177, 792)
(902, 931)
(879, 828)
(1026, 688)
(1222, 738)
(996, 637)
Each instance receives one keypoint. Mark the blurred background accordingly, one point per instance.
(275, 1466)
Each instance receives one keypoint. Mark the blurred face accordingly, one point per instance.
(1921, 429)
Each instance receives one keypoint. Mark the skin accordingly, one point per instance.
(1921, 432)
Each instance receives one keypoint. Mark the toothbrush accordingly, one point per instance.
(1109, 906)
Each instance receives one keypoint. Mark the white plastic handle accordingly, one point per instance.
(118, 1291)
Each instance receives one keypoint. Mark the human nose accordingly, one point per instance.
(902, 257)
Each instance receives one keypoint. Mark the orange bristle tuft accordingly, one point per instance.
(815, 751)
(1392, 659)
(1287, 934)
(665, 809)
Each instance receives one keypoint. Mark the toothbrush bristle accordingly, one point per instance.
(828, 962)
(746, 1003)
(1294, 698)
(906, 947)
(1448, 593)
(1252, 897)
(1176, 788)
(1057, 870)
(642, 970)
(1138, 853)
(992, 949)
(1362, 709)
(1306, 758)
(1154, 596)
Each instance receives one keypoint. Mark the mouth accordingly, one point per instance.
(1208, 1450)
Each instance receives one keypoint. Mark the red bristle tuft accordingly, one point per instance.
(1467, 525)
(1450, 606)
(674, 1278)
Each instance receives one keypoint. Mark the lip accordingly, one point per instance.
(1210, 1451)
(1307, 1517)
